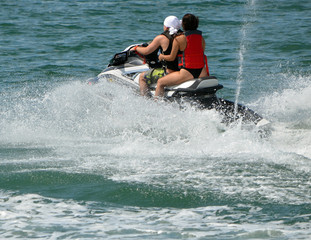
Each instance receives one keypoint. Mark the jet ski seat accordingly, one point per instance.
(195, 85)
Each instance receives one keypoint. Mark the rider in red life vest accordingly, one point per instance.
(190, 50)
(193, 58)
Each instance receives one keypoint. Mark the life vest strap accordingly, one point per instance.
(206, 65)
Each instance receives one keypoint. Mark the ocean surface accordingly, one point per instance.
(99, 162)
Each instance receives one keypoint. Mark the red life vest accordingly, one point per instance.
(193, 56)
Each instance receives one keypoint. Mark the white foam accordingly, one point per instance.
(108, 130)
(289, 110)
(36, 216)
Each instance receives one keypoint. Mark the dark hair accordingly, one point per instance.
(190, 22)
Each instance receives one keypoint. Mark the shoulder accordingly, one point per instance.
(180, 38)
(157, 40)
(160, 37)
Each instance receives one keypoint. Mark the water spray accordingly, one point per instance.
(242, 52)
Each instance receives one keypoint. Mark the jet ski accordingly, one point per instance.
(125, 67)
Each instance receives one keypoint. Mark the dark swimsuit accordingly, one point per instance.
(195, 72)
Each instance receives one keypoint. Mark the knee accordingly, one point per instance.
(160, 83)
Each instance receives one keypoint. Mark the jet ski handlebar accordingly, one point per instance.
(122, 57)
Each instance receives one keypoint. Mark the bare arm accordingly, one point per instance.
(173, 54)
(156, 42)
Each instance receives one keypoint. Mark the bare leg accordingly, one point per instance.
(172, 79)
(143, 85)
(203, 73)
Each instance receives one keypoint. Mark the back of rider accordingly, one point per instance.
(154, 74)
(172, 65)
(192, 58)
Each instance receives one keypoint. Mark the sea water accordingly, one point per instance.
(100, 162)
